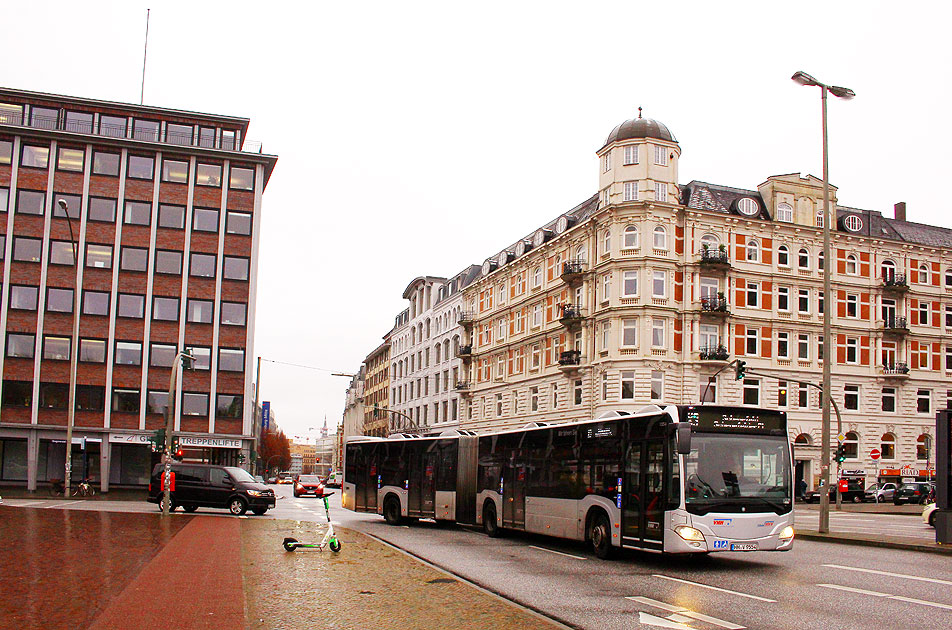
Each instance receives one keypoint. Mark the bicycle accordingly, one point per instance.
(82, 489)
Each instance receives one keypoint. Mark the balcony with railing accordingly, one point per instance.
(714, 353)
(895, 282)
(571, 315)
(717, 259)
(895, 370)
(573, 271)
(462, 386)
(465, 352)
(715, 305)
(467, 318)
(570, 361)
(895, 326)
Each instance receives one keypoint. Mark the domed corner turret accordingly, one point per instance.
(638, 162)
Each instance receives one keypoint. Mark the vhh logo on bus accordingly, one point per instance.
(722, 521)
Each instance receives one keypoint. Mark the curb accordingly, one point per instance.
(481, 587)
(865, 542)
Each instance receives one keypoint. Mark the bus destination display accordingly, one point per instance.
(736, 420)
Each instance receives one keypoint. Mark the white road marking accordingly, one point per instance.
(55, 505)
(682, 614)
(898, 598)
(660, 622)
(558, 552)
(27, 504)
(715, 588)
(890, 574)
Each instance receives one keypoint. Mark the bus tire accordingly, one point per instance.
(601, 536)
(490, 524)
(391, 510)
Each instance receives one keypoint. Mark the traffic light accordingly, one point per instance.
(188, 360)
(740, 370)
(840, 454)
(376, 411)
(176, 448)
(158, 440)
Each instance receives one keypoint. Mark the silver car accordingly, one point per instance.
(881, 492)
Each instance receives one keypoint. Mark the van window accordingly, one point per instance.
(190, 474)
(217, 476)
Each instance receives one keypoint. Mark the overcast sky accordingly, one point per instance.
(418, 138)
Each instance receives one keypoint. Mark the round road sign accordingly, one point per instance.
(875, 454)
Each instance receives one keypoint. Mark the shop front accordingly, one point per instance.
(213, 450)
(907, 474)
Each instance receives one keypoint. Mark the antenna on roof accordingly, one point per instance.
(144, 53)
(639, 109)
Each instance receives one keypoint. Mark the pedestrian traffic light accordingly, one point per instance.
(188, 359)
(376, 411)
(176, 448)
(740, 370)
(840, 454)
(158, 440)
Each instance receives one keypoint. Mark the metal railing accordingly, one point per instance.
(462, 386)
(464, 351)
(570, 357)
(895, 368)
(714, 304)
(571, 311)
(573, 267)
(714, 257)
(467, 317)
(897, 280)
(895, 323)
(714, 353)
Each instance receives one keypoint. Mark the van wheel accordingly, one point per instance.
(857, 499)
(391, 511)
(237, 506)
(490, 525)
(601, 537)
(189, 508)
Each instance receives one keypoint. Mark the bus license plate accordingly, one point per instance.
(744, 547)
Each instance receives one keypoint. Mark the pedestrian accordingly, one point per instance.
(801, 489)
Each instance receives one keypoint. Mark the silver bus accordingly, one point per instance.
(677, 479)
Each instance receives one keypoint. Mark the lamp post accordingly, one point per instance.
(73, 350)
(845, 93)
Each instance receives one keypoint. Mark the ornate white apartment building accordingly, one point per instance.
(425, 355)
(644, 292)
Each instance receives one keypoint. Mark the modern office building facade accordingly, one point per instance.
(162, 208)
(645, 292)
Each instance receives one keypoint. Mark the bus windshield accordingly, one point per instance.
(737, 473)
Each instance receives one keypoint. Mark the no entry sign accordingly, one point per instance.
(875, 454)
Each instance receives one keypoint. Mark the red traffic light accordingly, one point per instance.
(179, 453)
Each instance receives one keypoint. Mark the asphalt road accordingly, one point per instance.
(817, 585)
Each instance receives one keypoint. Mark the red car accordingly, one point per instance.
(308, 485)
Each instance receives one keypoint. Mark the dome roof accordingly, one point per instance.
(640, 128)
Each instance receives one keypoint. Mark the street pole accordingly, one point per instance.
(845, 93)
(169, 426)
(73, 359)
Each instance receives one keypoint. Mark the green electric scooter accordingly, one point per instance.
(329, 540)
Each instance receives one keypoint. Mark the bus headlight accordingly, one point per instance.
(689, 534)
(786, 533)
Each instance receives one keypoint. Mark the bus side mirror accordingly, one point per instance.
(683, 437)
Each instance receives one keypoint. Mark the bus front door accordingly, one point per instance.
(643, 509)
(632, 491)
(514, 497)
(654, 493)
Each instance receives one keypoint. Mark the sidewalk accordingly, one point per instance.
(910, 509)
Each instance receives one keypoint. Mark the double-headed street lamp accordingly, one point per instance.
(73, 351)
(845, 93)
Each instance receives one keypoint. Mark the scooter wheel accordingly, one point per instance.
(335, 545)
(290, 544)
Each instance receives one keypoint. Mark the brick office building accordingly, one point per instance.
(165, 209)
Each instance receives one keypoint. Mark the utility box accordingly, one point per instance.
(943, 481)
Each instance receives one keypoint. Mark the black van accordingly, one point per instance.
(207, 485)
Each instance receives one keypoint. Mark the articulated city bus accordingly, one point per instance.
(679, 479)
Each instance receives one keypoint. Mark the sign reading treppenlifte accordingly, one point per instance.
(207, 442)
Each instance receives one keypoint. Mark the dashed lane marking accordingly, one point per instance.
(899, 598)
(890, 574)
(568, 555)
(715, 588)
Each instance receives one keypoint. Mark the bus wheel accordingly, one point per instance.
(602, 537)
(391, 511)
(490, 526)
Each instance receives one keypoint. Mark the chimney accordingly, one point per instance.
(899, 211)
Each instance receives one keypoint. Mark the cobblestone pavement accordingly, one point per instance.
(60, 568)
(368, 585)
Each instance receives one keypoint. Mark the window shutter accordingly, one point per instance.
(766, 341)
(740, 293)
(914, 312)
(840, 349)
(766, 254)
(936, 362)
(864, 308)
(841, 303)
(740, 252)
(677, 335)
(739, 333)
(767, 296)
(864, 350)
(935, 274)
(936, 314)
(914, 353)
(840, 261)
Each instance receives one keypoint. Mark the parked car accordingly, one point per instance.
(913, 492)
(928, 514)
(208, 485)
(308, 485)
(285, 477)
(334, 479)
(854, 493)
(881, 492)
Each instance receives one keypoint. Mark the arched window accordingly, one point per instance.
(851, 267)
(819, 218)
(851, 445)
(631, 237)
(803, 440)
(607, 241)
(783, 256)
(710, 240)
(803, 258)
(924, 447)
(821, 262)
(887, 446)
(413, 336)
(446, 349)
(753, 251)
(456, 345)
(660, 238)
(537, 277)
(889, 270)
(581, 254)
(785, 212)
(436, 353)
(923, 274)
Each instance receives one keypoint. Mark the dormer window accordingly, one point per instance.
(785, 212)
(747, 206)
(853, 223)
(631, 154)
(661, 156)
(819, 218)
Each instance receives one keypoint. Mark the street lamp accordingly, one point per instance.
(74, 342)
(845, 93)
